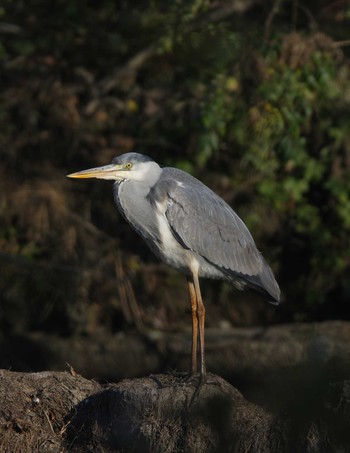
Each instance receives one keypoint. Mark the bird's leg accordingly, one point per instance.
(193, 300)
(201, 321)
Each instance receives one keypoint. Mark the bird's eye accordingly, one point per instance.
(128, 165)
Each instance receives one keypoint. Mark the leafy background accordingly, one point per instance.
(251, 97)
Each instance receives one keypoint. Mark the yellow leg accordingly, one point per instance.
(201, 322)
(193, 300)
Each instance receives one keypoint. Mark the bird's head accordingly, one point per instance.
(129, 166)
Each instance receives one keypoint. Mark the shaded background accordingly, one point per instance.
(252, 97)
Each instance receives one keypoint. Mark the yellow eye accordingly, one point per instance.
(128, 165)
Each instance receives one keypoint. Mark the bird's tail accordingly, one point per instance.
(265, 283)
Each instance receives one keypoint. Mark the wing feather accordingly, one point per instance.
(202, 222)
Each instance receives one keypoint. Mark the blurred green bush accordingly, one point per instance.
(258, 109)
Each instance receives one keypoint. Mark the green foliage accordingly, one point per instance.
(216, 113)
(301, 181)
(265, 121)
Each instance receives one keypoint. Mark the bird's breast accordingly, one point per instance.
(169, 249)
(150, 222)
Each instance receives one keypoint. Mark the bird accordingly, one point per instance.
(190, 228)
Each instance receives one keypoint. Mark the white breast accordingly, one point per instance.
(171, 251)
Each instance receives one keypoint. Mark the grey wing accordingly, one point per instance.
(204, 223)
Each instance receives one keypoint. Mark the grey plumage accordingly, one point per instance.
(202, 222)
(189, 227)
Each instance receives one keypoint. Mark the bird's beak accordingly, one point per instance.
(111, 171)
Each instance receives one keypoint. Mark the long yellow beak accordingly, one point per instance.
(106, 172)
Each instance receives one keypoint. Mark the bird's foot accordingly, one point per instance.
(199, 380)
(194, 377)
(182, 378)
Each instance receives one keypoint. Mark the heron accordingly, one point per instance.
(190, 228)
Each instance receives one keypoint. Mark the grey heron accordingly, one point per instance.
(190, 228)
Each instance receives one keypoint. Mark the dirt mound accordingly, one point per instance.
(62, 412)
(34, 407)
